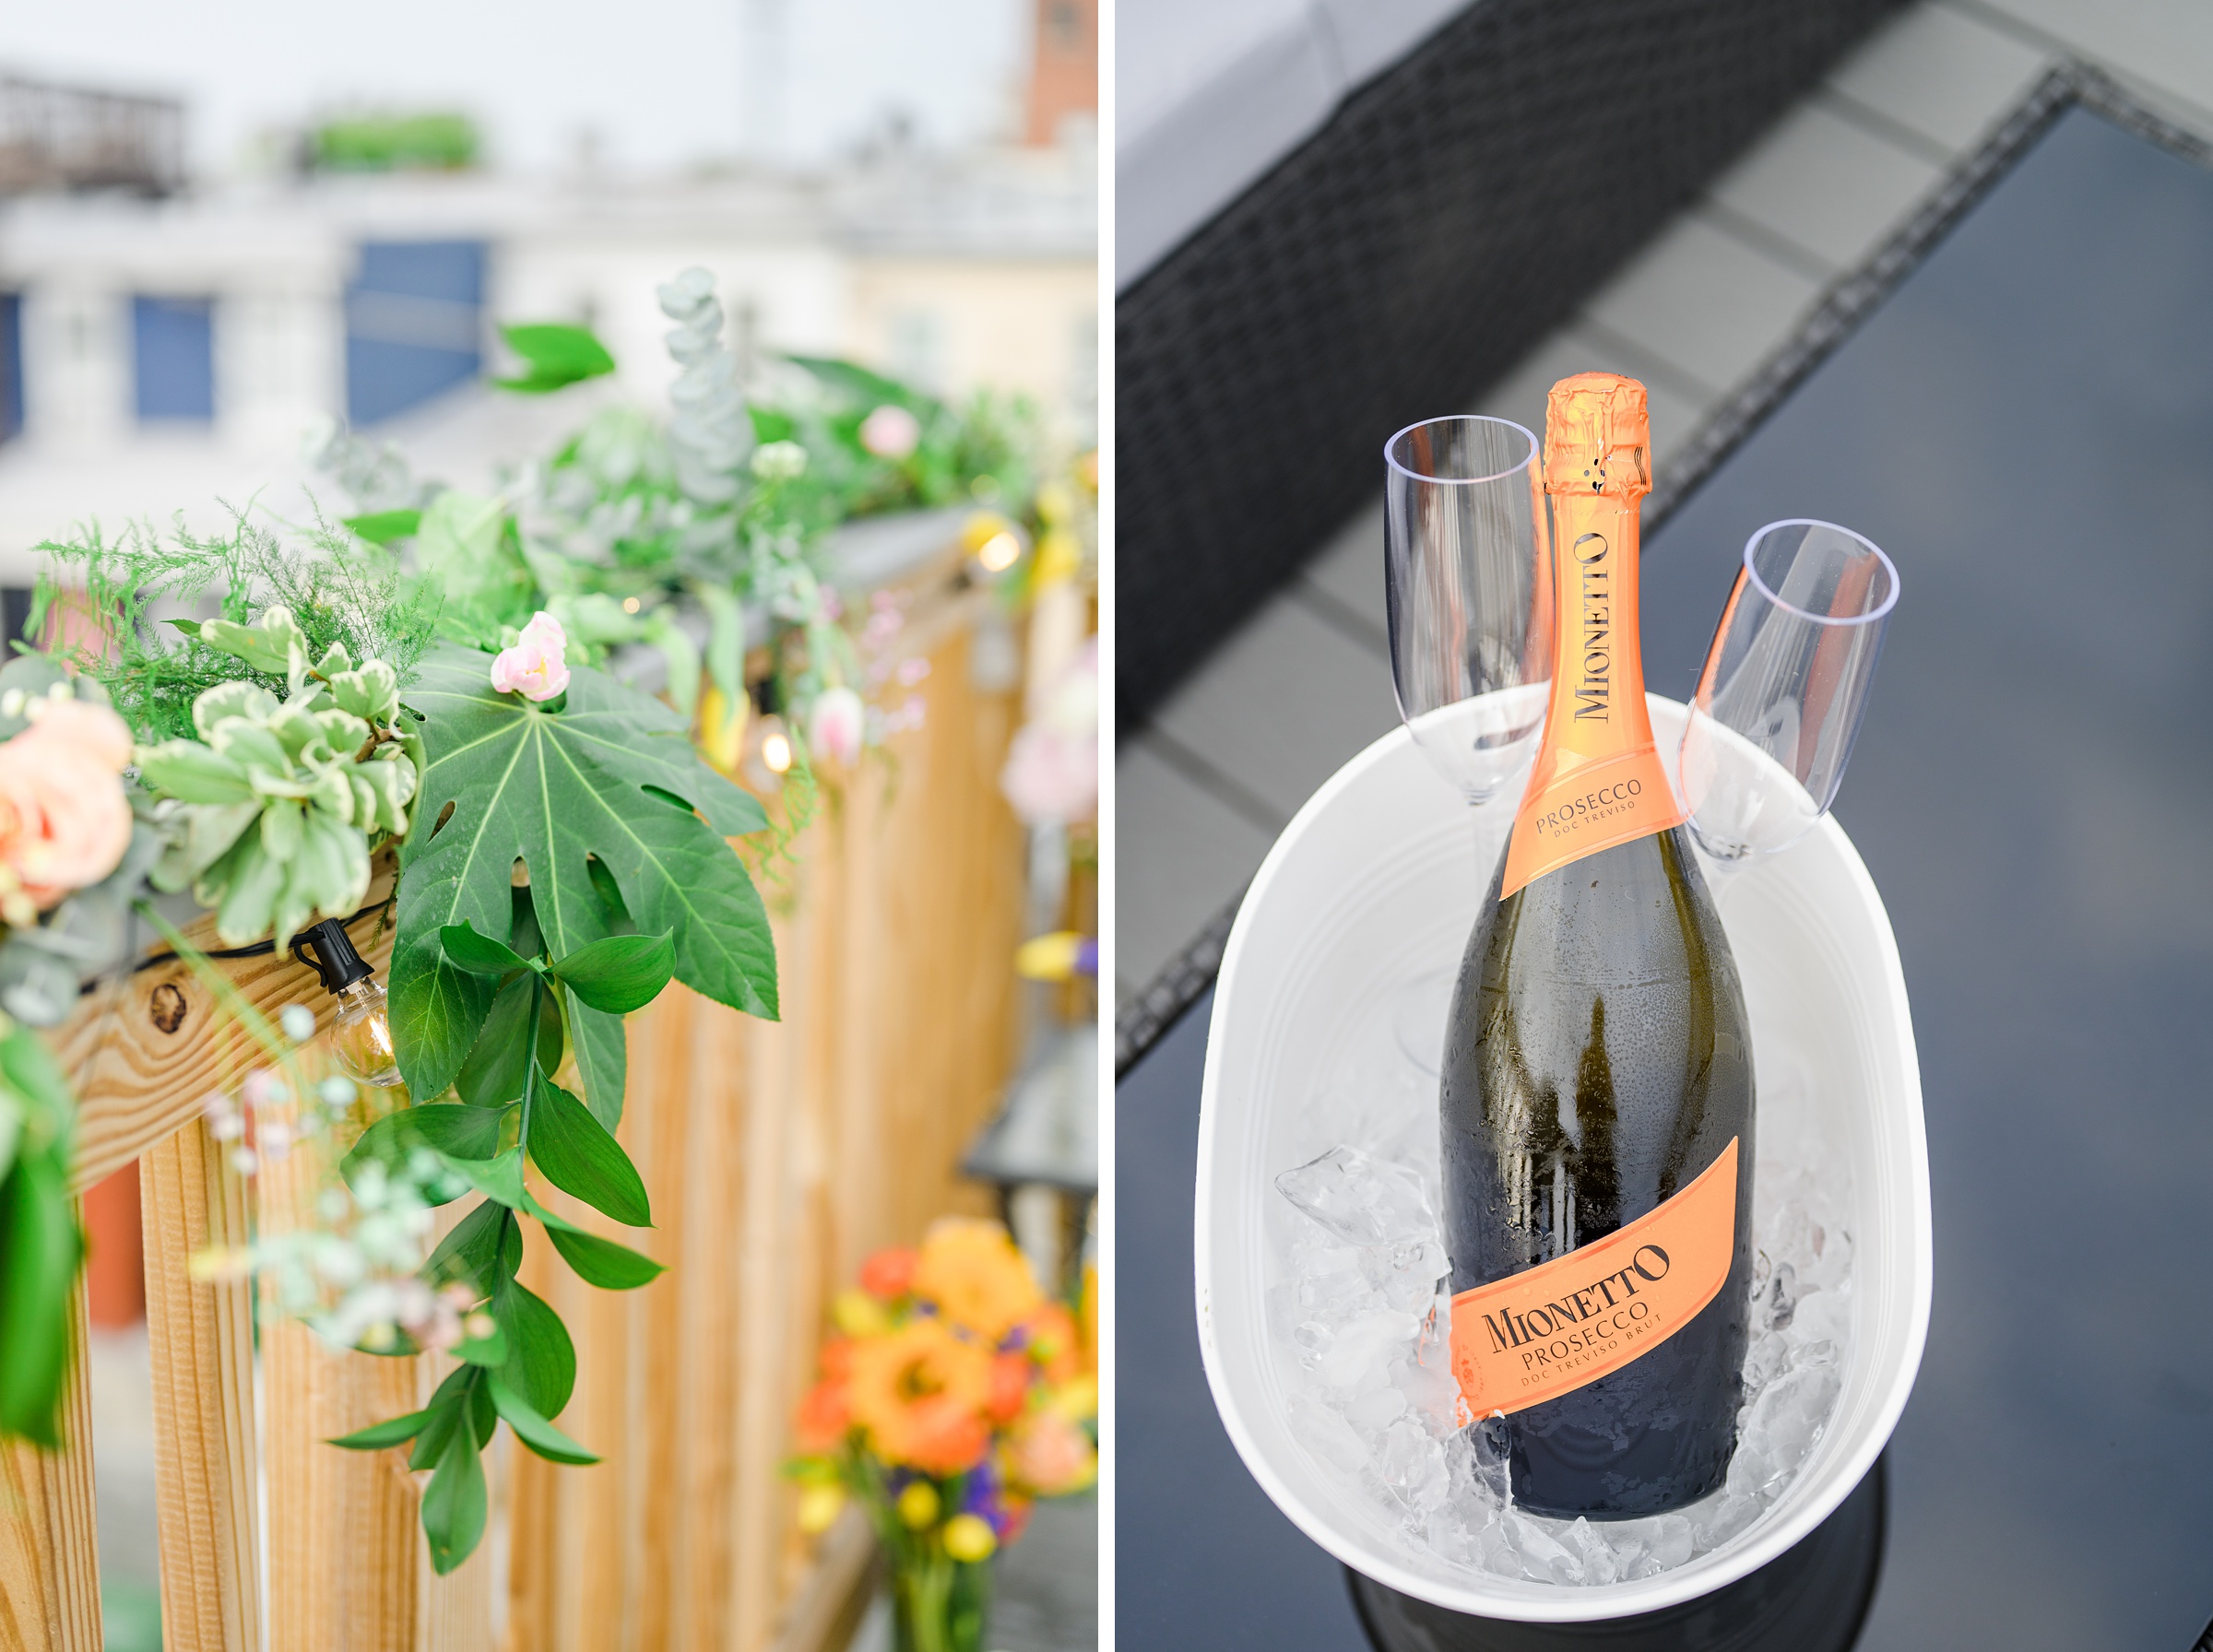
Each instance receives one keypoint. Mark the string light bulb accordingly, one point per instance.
(360, 1033)
(1000, 552)
(768, 752)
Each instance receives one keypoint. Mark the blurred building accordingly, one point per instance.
(1064, 70)
(157, 352)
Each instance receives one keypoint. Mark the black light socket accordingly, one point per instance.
(329, 950)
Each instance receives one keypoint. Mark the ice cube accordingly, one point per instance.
(1329, 1436)
(1364, 1201)
(1360, 1357)
(1377, 1408)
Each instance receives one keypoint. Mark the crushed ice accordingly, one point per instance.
(1361, 1309)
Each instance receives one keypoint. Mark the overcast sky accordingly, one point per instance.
(662, 82)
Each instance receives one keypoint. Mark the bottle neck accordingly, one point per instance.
(1598, 706)
(1597, 781)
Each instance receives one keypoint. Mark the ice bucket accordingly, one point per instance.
(1376, 881)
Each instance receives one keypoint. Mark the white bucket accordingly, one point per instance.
(1377, 882)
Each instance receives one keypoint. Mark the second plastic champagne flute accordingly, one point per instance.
(1784, 687)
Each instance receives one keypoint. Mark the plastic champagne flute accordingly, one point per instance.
(1784, 687)
(1468, 578)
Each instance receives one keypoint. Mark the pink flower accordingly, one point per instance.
(537, 667)
(1052, 778)
(1052, 773)
(836, 729)
(890, 433)
(64, 821)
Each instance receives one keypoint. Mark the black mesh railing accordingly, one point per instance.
(1453, 212)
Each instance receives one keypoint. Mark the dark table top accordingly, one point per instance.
(2027, 426)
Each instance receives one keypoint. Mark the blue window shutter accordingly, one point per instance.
(11, 364)
(414, 324)
(173, 347)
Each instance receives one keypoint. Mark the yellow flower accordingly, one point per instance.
(1077, 1399)
(918, 1505)
(971, 1269)
(818, 1508)
(857, 1313)
(969, 1537)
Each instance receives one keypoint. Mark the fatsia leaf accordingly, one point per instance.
(533, 1430)
(579, 1157)
(555, 789)
(621, 973)
(454, 1503)
(542, 1361)
(602, 1262)
(601, 1056)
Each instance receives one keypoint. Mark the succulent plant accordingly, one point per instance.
(282, 800)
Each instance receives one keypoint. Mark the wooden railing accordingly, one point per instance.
(776, 1155)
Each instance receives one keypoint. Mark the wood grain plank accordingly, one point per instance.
(342, 1524)
(144, 1051)
(202, 1336)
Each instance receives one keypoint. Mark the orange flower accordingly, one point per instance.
(1054, 1341)
(978, 1280)
(920, 1392)
(837, 1358)
(889, 1273)
(1051, 1456)
(825, 1415)
(1009, 1387)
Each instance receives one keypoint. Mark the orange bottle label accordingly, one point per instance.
(1597, 781)
(1552, 1328)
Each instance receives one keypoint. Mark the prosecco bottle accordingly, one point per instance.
(1596, 1094)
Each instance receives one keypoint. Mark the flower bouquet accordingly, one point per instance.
(954, 1394)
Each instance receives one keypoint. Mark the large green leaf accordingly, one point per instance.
(471, 1251)
(446, 1128)
(612, 775)
(378, 1436)
(619, 975)
(554, 355)
(492, 1075)
(542, 1361)
(578, 1156)
(602, 1262)
(40, 1247)
(454, 1503)
(533, 1430)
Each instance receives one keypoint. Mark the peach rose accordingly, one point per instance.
(1051, 1456)
(64, 821)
